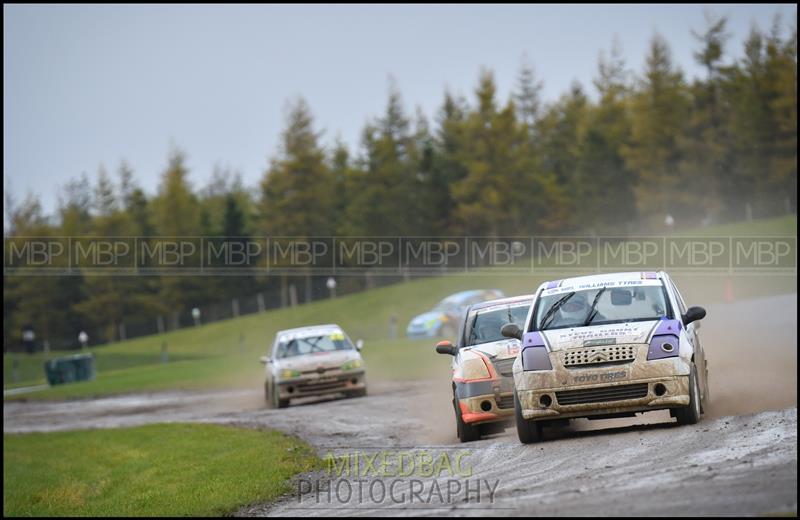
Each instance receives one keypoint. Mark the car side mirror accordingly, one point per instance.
(511, 330)
(359, 344)
(445, 347)
(693, 314)
(264, 359)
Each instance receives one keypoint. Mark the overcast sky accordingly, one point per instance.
(85, 85)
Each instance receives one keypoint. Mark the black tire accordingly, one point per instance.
(276, 402)
(267, 395)
(707, 393)
(691, 414)
(358, 393)
(466, 432)
(528, 431)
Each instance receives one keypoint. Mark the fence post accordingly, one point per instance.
(164, 353)
(122, 331)
(15, 368)
(260, 298)
(160, 324)
(292, 295)
(235, 306)
(393, 326)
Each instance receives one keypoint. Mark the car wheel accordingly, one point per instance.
(691, 414)
(276, 401)
(268, 394)
(528, 431)
(466, 432)
(358, 393)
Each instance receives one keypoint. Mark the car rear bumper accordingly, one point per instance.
(314, 386)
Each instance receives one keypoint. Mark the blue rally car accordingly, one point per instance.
(443, 320)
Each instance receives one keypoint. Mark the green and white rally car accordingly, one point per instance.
(605, 346)
(313, 361)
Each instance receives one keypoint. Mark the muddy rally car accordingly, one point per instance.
(313, 361)
(483, 386)
(607, 346)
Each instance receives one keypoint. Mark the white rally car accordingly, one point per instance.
(609, 345)
(313, 361)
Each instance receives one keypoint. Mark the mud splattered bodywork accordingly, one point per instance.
(483, 384)
(615, 368)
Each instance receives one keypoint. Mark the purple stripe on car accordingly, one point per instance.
(553, 285)
(532, 339)
(668, 327)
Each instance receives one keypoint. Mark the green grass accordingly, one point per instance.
(781, 226)
(210, 356)
(162, 469)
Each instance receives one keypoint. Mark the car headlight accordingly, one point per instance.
(536, 358)
(352, 365)
(663, 346)
(288, 374)
(474, 369)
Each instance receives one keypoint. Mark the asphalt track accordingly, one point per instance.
(403, 458)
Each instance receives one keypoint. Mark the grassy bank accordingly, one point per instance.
(162, 469)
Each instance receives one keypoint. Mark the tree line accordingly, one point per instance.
(717, 148)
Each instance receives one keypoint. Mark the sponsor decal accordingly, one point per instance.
(599, 342)
(600, 377)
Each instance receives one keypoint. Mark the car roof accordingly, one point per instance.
(605, 277)
(501, 301)
(463, 295)
(312, 330)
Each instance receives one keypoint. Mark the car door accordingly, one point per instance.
(693, 336)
